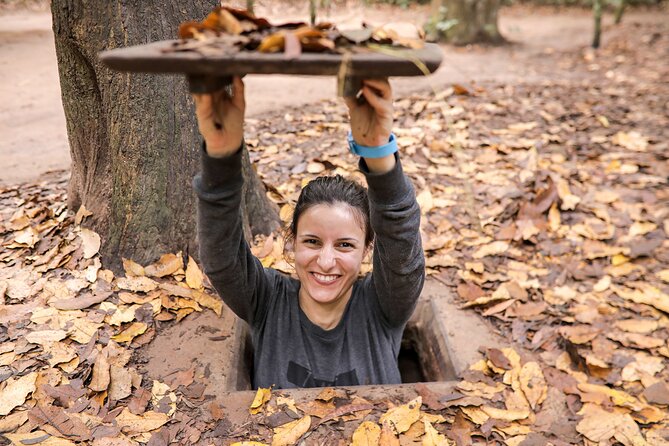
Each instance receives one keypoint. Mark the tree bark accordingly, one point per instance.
(597, 14)
(133, 137)
(462, 22)
(620, 9)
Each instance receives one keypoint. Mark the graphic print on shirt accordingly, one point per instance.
(302, 377)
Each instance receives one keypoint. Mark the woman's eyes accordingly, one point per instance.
(313, 241)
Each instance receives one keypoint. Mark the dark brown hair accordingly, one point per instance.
(331, 190)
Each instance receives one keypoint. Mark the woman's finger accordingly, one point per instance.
(238, 98)
(377, 102)
(351, 102)
(203, 106)
(381, 86)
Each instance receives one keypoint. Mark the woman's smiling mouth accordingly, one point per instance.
(325, 279)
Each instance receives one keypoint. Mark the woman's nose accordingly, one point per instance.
(326, 258)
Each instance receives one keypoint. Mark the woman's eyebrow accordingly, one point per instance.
(348, 239)
(343, 239)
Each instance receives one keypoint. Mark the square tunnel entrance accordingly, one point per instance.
(440, 341)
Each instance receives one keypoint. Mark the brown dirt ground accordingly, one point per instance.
(33, 136)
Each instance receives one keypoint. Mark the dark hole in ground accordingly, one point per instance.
(424, 355)
(409, 363)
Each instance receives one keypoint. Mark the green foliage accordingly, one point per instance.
(439, 25)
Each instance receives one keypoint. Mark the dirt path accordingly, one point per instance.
(33, 137)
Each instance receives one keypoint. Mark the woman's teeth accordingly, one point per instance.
(324, 278)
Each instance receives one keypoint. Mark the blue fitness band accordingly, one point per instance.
(373, 152)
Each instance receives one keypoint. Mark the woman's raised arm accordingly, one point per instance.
(238, 277)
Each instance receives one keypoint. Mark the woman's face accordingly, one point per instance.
(329, 248)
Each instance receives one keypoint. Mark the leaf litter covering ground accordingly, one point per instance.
(545, 209)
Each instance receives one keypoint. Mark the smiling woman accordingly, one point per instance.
(329, 249)
(329, 326)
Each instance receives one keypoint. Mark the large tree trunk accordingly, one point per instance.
(462, 22)
(133, 137)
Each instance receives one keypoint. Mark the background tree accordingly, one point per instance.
(464, 21)
(133, 137)
(597, 15)
(620, 9)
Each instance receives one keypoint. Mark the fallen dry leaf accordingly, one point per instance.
(80, 302)
(167, 264)
(15, 392)
(367, 434)
(101, 376)
(194, 276)
(388, 435)
(533, 384)
(132, 424)
(120, 383)
(38, 437)
(90, 241)
(208, 301)
(133, 330)
(491, 249)
(432, 437)
(67, 426)
(132, 268)
(59, 353)
(600, 425)
(46, 336)
(290, 433)
(262, 396)
(402, 417)
(137, 284)
(645, 293)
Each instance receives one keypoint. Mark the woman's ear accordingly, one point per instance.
(289, 250)
(367, 253)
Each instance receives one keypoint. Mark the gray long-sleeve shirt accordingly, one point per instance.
(290, 350)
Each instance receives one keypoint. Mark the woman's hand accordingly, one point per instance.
(372, 120)
(220, 119)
